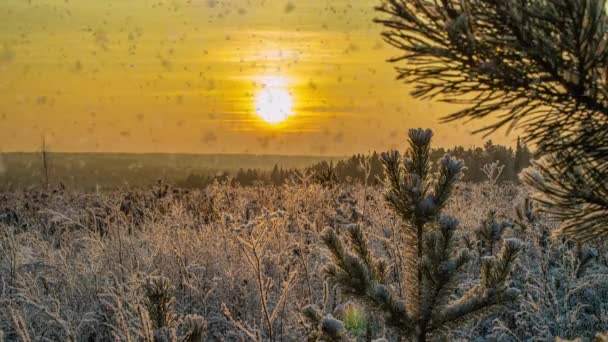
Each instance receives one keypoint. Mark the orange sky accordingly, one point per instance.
(183, 76)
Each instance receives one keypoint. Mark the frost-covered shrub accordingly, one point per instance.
(564, 289)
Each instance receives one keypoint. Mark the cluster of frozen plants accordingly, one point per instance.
(425, 258)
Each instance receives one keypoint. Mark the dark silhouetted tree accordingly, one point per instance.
(523, 156)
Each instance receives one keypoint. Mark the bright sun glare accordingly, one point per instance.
(274, 103)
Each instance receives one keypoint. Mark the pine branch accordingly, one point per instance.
(450, 173)
(492, 290)
(377, 267)
(499, 50)
(353, 275)
(490, 233)
(439, 266)
(575, 195)
(419, 159)
(326, 328)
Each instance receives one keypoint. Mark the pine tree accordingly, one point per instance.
(522, 158)
(276, 176)
(517, 163)
(539, 65)
(326, 174)
(433, 258)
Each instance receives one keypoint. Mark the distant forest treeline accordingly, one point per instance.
(92, 171)
(111, 171)
(354, 168)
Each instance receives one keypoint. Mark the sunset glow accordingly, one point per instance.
(238, 76)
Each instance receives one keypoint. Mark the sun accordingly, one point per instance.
(274, 103)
